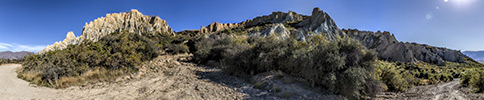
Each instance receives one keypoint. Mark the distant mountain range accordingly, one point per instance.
(14, 55)
(476, 55)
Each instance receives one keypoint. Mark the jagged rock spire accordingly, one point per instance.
(132, 21)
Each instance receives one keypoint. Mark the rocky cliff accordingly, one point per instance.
(133, 22)
(293, 25)
(284, 25)
(389, 48)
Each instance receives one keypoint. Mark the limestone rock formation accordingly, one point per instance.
(275, 17)
(277, 29)
(318, 23)
(285, 25)
(216, 26)
(389, 48)
(69, 40)
(133, 22)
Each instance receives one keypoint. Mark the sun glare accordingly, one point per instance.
(462, 3)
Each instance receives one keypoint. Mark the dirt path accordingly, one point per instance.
(444, 91)
(13, 88)
(167, 77)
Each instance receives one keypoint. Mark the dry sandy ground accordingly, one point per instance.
(13, 88)
(166, 78)
(443, 91)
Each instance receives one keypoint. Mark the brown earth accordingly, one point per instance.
(443, 91)
(168, 77)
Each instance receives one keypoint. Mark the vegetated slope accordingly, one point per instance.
(14, 55)
(476, 55)
(311, 48)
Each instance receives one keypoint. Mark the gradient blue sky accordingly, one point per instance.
(457, 24)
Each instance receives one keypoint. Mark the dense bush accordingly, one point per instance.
(107, 58)
(7, 61)
(474, 79)
(343, 66)
(2, 61)
(395, 79)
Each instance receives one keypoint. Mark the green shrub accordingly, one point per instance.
(342, 66)
(393, 77)
(107, 58)
(177, 48)
(474, 79)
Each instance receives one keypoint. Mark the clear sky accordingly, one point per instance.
(457, 24)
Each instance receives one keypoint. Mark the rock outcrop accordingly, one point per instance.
(216, 26)
(389, 48)
(70, 39)
(277, 29)
(281, 24)
(318, 23)
(275, 17)
(133, 22)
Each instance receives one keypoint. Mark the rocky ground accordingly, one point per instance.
(172, 77)
(168, 77)
(443, 91)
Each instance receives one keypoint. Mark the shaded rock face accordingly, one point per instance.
(133, 22)
(275, 17)
(389, 48)
(14, 55)
(318, 23)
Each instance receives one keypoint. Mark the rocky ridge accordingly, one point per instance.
(384, 43)
(133, 22)
(389, 48)
(285, 25)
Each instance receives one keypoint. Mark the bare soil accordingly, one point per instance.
(168, 77)
(443, 91)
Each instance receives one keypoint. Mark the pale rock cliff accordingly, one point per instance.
(318, 23)
(133, 22)
(216, 26)
(389, 48)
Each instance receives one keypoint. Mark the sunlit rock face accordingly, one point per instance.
(216, 26)
(318, 23)
(281, 24)
(69, 40)
(389, 48)
(133, 22)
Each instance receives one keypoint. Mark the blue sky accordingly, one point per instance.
(457, 24)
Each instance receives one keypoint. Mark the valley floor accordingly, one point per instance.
(443, 91)
(177, 79)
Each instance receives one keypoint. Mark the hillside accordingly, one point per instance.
(14, 55)
(261, 52)
(476, 55)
